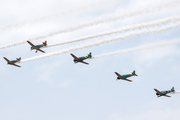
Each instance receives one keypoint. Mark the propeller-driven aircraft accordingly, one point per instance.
(124, 77)
(164, 93)
(37, 47)
(80, 59)
(12, 62)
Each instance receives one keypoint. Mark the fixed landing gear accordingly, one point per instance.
(75, 61)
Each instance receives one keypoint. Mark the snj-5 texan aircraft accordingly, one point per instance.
(164, 93)
(12, 62)
(37, 47)
(124, 77)
(80, 59)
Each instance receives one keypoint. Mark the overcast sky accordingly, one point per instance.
(54, 88)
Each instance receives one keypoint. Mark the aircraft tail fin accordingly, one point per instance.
(45, 43)
(89, 55)
(134, 73)
(18, 59)
(172, 89)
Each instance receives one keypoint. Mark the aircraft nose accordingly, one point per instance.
(74, 61)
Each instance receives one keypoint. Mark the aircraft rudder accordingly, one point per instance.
(90, 55)
(134, 73)
(18, 58)
(172, 89)
(45, 43)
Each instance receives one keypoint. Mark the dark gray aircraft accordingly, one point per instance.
(12, 62)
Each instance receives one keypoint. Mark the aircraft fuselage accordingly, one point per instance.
(38, 46)
(164, 93)
(13, 61)
(126, 76)
(80, 59)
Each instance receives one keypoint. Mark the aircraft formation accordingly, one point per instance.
(81, 60)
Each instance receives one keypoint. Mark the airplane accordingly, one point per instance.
(37, 47)
(124, 77)
(12, 62)
(164, 93)
(80, 59)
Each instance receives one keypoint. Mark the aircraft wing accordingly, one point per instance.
(126, 79)
(75, 57)
(167, 96)
(31, 44)
(118, 74)
(40, 50)
(121, 77)
(84, 62)
(7, 60)
(16, 65)
(158, 92)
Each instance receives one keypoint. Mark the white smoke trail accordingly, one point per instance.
(176, 92)
(60, 14)
(102, 20)
(122, 37)
(124, 29)
(161, 44)
(110, 19)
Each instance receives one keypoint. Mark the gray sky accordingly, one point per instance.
(55, 88)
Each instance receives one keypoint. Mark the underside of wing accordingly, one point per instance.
(31, 44)
(16, 65)
(7, 59)
(158, 92)
(118, 74)
(74, 57)
(40, 50)
(84, 62)
(126, 79)
(167, 96)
